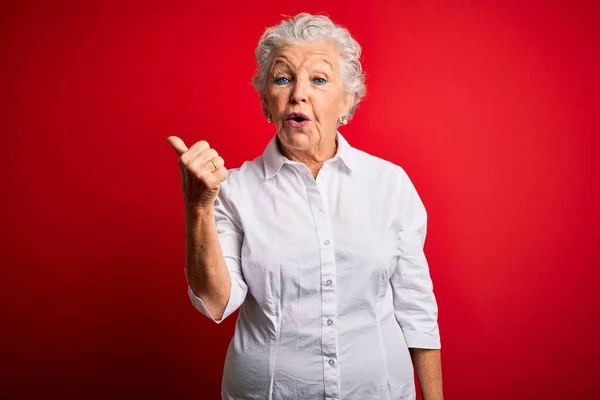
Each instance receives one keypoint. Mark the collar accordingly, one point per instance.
(273, 159)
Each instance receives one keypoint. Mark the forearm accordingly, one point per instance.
(428, 366)
(206, 270)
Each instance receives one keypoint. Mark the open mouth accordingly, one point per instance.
(297, 117)
(297, 120)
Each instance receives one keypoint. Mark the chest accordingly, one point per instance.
(295, 227)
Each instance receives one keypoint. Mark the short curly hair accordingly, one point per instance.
(306, 28)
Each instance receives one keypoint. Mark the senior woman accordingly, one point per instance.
(319, 244)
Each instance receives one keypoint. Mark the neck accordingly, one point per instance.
(314, 160)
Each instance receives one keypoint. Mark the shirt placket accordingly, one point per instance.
(328, 284)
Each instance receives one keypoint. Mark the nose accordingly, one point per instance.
(299, 92)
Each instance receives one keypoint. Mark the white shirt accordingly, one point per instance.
(329, 275)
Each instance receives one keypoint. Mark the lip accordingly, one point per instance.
(293, 115)
(297, 124)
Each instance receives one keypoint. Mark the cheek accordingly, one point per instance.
(337, 106)
(326, 110)
(329, 103)
(277, 100)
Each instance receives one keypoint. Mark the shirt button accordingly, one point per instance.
(326, 242)
(329, 322)
(331, 362)
(328, 282)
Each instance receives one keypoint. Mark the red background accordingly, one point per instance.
(491, 108)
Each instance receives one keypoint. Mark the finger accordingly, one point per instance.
(177, 144)
(219, 162)
(202, 163)
(199, 147)
(213, 164)
(196, 156)
(221, 173)
(204, 157)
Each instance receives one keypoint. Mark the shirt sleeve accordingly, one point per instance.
(230, 237)
(415, 306)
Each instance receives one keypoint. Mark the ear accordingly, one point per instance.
(264, 105)
(348, 102)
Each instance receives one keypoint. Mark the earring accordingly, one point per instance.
(344, 120)
(269, 120)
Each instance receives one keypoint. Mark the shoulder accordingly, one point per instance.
(247, 177)
(374, 167)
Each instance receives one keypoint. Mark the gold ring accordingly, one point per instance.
(214, 165)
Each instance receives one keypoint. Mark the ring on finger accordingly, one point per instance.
(214, 165)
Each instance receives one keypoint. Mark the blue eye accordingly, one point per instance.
(319, 81)
(281, 81)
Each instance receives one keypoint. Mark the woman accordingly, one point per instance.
(319, 244)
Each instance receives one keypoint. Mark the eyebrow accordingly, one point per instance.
(280, 63)
(328, 63)
(321, 69)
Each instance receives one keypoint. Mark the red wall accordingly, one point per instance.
(491, 107)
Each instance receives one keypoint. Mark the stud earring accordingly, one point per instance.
(344, 120)
(269, 120)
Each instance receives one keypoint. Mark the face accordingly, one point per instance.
(304, 94)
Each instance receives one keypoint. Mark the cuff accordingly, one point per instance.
(235, 300)
(423, 341)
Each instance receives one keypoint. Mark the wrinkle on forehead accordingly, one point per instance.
(296, 56)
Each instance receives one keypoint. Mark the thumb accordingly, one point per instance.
(177, 144)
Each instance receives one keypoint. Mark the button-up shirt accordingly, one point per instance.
(329, 276)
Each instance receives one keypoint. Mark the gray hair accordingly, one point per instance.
(306, 28)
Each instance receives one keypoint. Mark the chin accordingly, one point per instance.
(295, 137)
(295, 134)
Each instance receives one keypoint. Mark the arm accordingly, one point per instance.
(213, 266)
(212, 238)
(428, 366)
(414, 301)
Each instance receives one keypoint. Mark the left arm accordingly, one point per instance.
(415, 305)
(428, 365)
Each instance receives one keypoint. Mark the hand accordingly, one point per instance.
(200, 179)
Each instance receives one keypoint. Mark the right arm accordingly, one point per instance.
(206, 271)
(215, 283)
